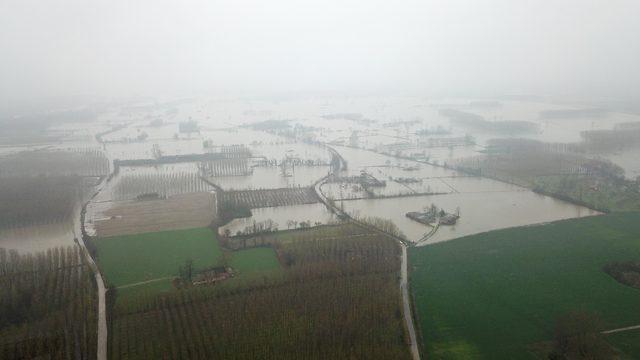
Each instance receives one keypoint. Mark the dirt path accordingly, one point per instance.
(628, 328)
(144, 282)
(408, 318)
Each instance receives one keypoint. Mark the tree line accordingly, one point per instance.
(48, 305)
(338, 297)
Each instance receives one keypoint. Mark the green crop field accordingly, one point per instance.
(497, 294)
(627, 342)
(131, 259)
(254, 260)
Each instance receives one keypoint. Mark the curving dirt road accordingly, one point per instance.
(415, 353)
(628, 328)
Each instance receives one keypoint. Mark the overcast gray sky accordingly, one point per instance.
(238, 47)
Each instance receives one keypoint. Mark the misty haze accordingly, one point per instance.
(319, 180)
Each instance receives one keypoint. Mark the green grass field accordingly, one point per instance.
(254, 260)
(627, 342)
(131, 259)
(494, 295)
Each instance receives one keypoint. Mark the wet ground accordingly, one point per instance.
(394, 125)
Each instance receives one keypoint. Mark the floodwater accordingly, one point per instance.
(398, 121)
(479, 212)
(484, 204)
(284, 217)
(628, 159)
(272, 178)
(38, 237)
(383, 124)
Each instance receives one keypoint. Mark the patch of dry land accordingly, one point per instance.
(128, 217)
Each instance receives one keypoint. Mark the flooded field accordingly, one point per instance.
(281, 143)
(281, 218)
(35, 238)
(183, 211)
(272, 178)
(484, 204)
(479, 212)
(628, 159)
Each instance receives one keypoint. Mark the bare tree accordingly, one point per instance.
(578, 336)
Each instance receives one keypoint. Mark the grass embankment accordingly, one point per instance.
(494, 295)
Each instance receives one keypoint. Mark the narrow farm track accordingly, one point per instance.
(144, 282)
(102, 308)
(404, 287)
(628, 328)
(406, 305)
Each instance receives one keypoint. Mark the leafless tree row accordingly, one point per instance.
(269, 197)
(161, 185)
(48, 305)
(226, 167)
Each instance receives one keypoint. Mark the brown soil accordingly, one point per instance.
(176, 212)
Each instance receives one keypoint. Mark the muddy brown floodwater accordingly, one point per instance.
(484, 204)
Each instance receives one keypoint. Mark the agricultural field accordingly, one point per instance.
(48, 305)
(254, 260)
(272, 177)
(496, 295)
(346, 305)
(226, 167)
(270, 219)
(247, 264)
(254, 199)
(159, 185)
(627, 343)
(131, 259)
(291, 235)
(176, 212)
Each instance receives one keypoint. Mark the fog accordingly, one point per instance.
(291, 179)
(121, 48)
